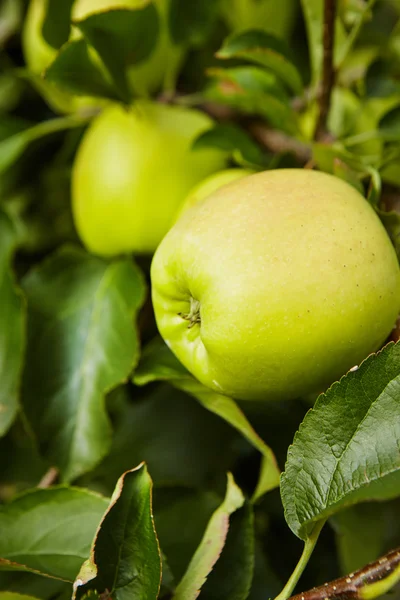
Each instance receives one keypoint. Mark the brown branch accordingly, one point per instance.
(276, 141)
(349, 586)
(49, 478)
(328, 71)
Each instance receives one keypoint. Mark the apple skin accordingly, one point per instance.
(274, 16)
(211, 184)
(132, 172)
(275, 285)
(144, 78)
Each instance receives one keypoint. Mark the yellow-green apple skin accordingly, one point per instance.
(132, 172)
(144, 78)
(275, 285)
(274, 16)
(211, 184)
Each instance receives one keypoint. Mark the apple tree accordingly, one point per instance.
(199, 293)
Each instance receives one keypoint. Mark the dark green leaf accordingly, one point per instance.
(389, 125)
(125, 557)
(191, 23)
(158, 363)
(266, 50)
(81, 343)
(56, 25)
(253, 91)
(122, 37)
(346, 450)
(187, 511)
(245, 152)
(12, 327)
(360, 535)
(233, 573)
(49, 531)
(75, 71)
(167, 429)
(14, 146)
(211, 546)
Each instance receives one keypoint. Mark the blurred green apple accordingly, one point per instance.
(132, 172)
(274, 16)
(144, 78)
(275, 285)
(211, 184)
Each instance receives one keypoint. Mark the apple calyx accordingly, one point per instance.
(193, 316)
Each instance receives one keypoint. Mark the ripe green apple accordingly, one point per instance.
(132, 172)
(144, 78)
(275, 285)
(274, 16)
(211, 184)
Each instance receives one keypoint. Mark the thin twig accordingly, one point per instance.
(328, 71)
(49, 478)
(276, 142)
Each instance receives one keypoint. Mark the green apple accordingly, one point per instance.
(211, 184)
(275, 285)
(274, 16)
(145, 78)
(132, 172)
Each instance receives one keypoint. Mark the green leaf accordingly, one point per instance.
(211, 546)
(14, 146)
(49, 531)
(14, 596)
(167, 430)
(244, 151)
(191, 23)
(125, 557)
(12, 327)
(253, 91)
(233, 573)
(81, 343)
(187, 511)
(264, 49)
(75, 71)
(122, 37)
(57, 22)
(158, 363)
(360, 535)
(347, 448)
(389, 125)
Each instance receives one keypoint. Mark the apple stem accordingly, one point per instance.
(193, 316)
(328, 70)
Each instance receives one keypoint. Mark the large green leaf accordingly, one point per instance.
(347, 448)
(12, 327)
(158, 363)
(264, 49)
(211, 546)
(81, 343)
(253, 91)
(167, 429)
(122, 37)
(49, 531)
(191, 23)
(232, 575)
(125, 557)
(57, 22)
